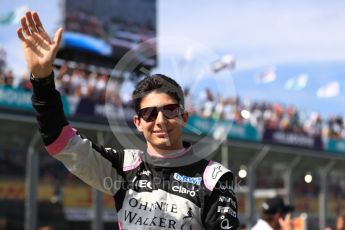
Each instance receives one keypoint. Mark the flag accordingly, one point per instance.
(267, 76)
(226, 62)
(297, 83)
(13, 17)
(331, 89)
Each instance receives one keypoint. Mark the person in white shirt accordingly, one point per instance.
(275, 215)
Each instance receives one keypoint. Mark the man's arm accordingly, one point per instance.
(93, 164)
(221, 207)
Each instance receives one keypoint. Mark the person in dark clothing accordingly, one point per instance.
(153, 188)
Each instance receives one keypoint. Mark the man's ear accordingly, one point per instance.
(137, 123)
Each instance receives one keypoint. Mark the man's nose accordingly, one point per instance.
(160, 118)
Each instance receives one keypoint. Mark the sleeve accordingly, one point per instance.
(221, 207)
(95, 165)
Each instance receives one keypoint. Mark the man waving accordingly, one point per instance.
(166, 185)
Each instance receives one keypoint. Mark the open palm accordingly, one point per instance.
(39, 49)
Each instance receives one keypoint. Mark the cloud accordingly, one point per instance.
(264, 32)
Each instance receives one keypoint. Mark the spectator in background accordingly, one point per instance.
(84, 86)
(76, 81)
(313, 125)
(340, 222)
(8, 80)
(113, 93)
(208, 104)
(335, 127)
(63, 79)
(275, 215)
(218, 112)
(2, 59)
(100, 88)
(25, 83)
(189, 102)
(2, 78)
(228, 109)
(256, 118)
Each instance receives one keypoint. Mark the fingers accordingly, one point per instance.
(57, 38)
(20, 34)
(37, 22)
(25, 26)
(31, 22)
(31, 26)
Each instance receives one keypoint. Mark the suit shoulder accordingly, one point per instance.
(213, 172)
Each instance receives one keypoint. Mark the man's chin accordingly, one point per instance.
(163, 144)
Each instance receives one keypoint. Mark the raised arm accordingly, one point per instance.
(91, 163)
(39, 49)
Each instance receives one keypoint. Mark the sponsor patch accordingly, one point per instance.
(144, 184)
(225, 224)
(183, 190)
(145, 172)
(227, 187)
(216, 170)
(186, 179)
(222, 209)
(227, 200)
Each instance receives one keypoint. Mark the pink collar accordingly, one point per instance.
(173, 154)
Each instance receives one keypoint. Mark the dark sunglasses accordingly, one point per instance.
(169, 111)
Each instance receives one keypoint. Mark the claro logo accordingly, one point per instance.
(183, 190)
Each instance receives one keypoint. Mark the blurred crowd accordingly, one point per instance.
(77, 21)
(97, 85)
(276, 116)
(7, 80)
(85, 83)
(74, 82)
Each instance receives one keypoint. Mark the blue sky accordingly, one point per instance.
(296, 37)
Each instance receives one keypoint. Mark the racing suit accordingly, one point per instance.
(149, 192)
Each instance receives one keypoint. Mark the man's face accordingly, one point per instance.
(161, 133)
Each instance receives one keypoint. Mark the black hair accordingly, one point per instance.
(157, 83)
(267, 217)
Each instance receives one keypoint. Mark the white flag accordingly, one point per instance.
(267, 76)
(226, 62)
(297, 83)
(331, 89)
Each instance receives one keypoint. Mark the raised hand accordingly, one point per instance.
(39, 49)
